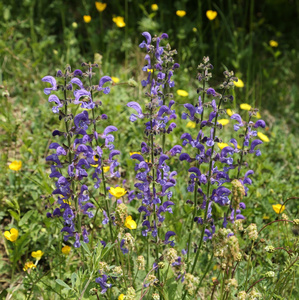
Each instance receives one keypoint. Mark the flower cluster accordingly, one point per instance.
(82, 159)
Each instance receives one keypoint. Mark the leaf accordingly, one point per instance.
(14, 215)
(85, 247)
(62, 283)
(26, 217)
(74, 278)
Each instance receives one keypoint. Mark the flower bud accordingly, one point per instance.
(270, 249)
(252, 232)
(140, 262)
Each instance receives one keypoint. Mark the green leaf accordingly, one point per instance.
(14, 215)
(74, 279)
(85, 247)
(62, 283)
(26, 217)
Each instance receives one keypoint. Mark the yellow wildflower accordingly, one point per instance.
(278, 208)
(273, 43)
(37, 254)
(74, 25)
(119, 21)
(155, 7)
(265, 217)
(263, 137)
(131, 153)
(245, 106)
(223, 121)
(11, 235)
(115, 79)
(29, 265)
(87, 19)
(121, 297)
(150, 70)
(191, 124)
(66, 250)
(16, 165)
(130, 223)
(214, 278)
(101, 6)
(211, 14)
(182, 93)
(66, 201)
(258, 115)
(222, 145)
(194, 29)
(215, 267)
(230, 112)
(180, 13)
(239, 83)
(106, 169)
(117, 192)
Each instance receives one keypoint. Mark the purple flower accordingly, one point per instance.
(102, 81)
(102, 281)
(52, 81)
(138, 109)
(54, 98)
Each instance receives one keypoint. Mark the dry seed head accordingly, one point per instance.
(122, 212)
(241, 295)
(170, 255)
(253, 295)
(156, 296)
(152, 279)
(230, 283)
(296, 222)
(238, 192)
(118, 271)
(252, 231)
(129, 241)
(284, 217)
(131, 294)
(103, 267)
(140, 262)
(190, 283)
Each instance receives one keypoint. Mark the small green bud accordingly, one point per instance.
(132, 82)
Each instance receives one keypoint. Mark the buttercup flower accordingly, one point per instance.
(273, 43)
(239, 83)
(130, 223)
(117, 192)
(100, 6)
(230, 112)
(211, 14)
(115, 79)
(191, 124)
(11, 235)
(155, 7)
(87, 19)
(182, 93)
(66, 250)
(119, 21)
(16, 165)
(180, 13)
(223, 121)
(222, 145)
(278, 208)
(263, 137)
(131, 153)
(121, 297)
(37, 254)
(106, 169)
(29, 265)
(245, 106)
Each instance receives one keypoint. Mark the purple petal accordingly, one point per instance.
(109, 129)
(135, 106)
(103, 80)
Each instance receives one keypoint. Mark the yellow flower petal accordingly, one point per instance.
(273, 43)
(223, 122)
(87, 19)
(265, 217)
(239, 83)
(211, 14)
(16, 165)
(263, 137)
(194, 29)
(37, 254)
(121, 297)
(29, 265)
(117, 192)
(230, 112)
(191, 124)
(182, 93)
(245, 106)
(95, 158)
(130, 223)
(115, 79)
(101, 6)
(106, 169)
(119, 21)
(131, 153)
(222, 145)
(66, 250)
(278, 208)
(150, 70)
(180, 13)
(258, 115)
(155, 7)
(11, 235)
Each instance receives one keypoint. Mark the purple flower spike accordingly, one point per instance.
(52, 81)
(176, 149)
(195, 170)
(211, 91)
(138, 109)
(260, 123)
(54, 98)
(148, 37)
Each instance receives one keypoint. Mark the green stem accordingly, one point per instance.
(249, 259)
